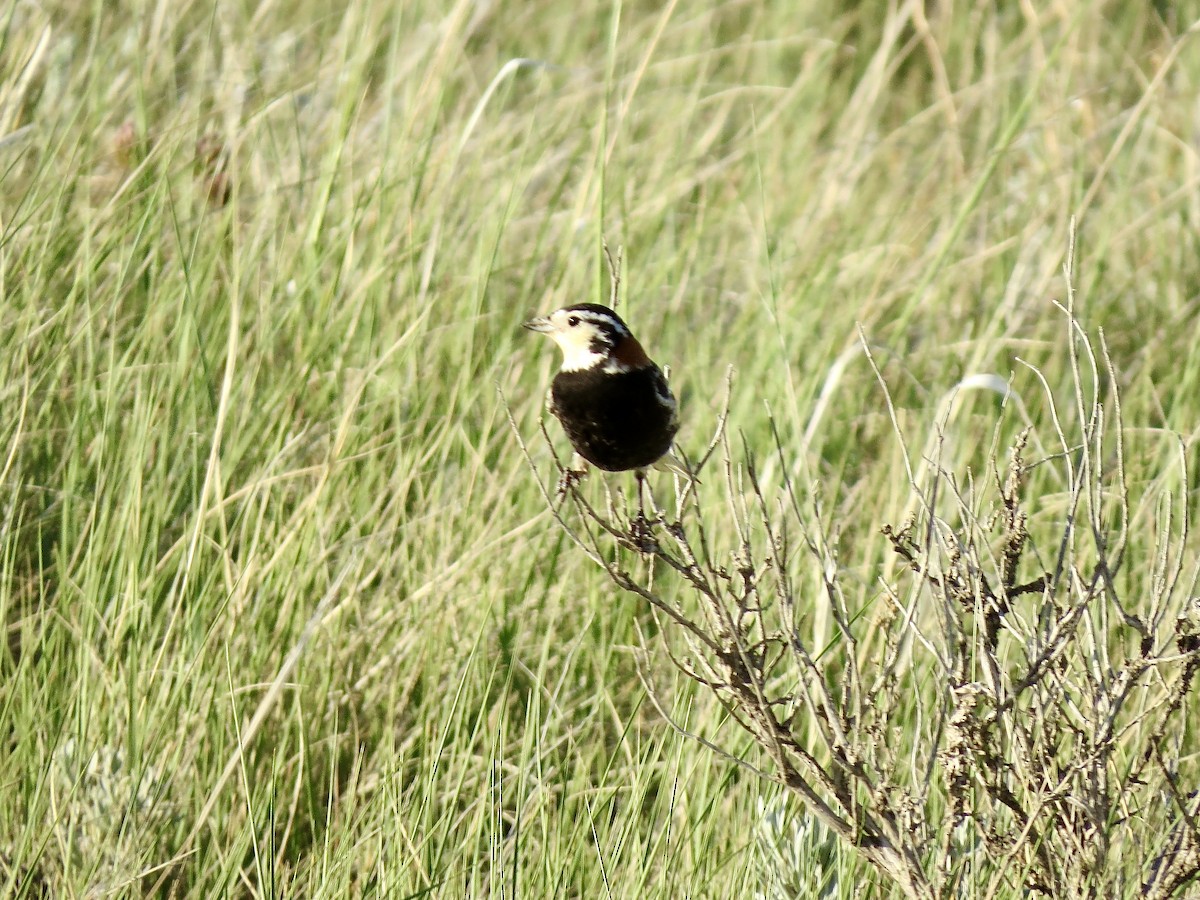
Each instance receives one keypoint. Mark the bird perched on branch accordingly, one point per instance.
(612, 400)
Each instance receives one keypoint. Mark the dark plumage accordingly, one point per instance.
(612, 400)
(615, 420)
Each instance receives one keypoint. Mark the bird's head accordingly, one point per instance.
(592, 336)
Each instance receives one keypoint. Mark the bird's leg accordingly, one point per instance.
(639, 528)
(571, 476)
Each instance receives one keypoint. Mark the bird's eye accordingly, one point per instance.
(573, 321)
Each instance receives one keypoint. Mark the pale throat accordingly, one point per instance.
(578, 357)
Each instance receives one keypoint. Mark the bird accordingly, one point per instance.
(613, 402)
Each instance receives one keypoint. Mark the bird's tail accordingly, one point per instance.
(669, 462)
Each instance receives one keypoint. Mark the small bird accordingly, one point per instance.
(612, 400)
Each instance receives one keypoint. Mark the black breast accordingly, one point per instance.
(616, 420)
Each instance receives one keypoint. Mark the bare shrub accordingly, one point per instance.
(1007, 710)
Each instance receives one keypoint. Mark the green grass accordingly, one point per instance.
(270, 556)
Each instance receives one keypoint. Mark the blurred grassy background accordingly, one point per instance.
(285, 613)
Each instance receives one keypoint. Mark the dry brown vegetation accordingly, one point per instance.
(1043, 687)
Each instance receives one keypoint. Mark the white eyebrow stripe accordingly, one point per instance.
(600, 320)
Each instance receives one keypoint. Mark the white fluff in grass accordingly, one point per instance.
(101, 811)
(798, 856)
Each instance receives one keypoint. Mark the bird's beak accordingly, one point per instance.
(541, 323)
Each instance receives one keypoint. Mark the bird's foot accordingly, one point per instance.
(641, 534)
(569, 478)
